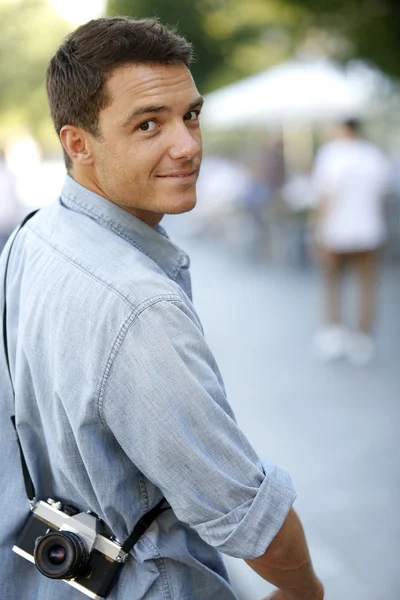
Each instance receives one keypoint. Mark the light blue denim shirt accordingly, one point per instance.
(118, 402)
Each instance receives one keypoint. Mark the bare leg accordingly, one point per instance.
(365, 263)
(331, 265)
(330, 342)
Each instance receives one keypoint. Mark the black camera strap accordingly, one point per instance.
(29, 487)
(144, 523)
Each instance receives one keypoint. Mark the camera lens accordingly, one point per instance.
(57, 554)
(60, 555)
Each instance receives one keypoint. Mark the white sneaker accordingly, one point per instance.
(331, 343)
(360, 349)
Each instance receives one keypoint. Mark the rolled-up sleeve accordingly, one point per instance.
(165, 404)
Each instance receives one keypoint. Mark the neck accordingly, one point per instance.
(90, 183)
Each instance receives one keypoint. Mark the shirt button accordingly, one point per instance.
(185, 261)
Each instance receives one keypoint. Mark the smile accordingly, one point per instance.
(185, 177)
(179, 174)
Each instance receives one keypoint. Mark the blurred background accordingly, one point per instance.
(277, 76)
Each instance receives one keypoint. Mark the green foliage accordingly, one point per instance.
(372, 28)
(29, 34)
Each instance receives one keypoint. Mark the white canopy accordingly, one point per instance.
(295, 91)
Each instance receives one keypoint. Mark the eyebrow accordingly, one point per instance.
(152, 110)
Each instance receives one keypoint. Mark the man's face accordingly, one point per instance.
(148, 157)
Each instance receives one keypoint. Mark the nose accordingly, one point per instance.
(185, 143)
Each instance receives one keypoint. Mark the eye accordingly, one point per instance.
(193, 115)
(147, 126)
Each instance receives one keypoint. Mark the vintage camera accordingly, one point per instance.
(76, 547)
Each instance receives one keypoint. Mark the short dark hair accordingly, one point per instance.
(77, 73)
(352, 124)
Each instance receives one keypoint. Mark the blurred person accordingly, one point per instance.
(299, 197)
(351, 179)
(265, 167)
(119, 403)
(9, 206)
(274, 160)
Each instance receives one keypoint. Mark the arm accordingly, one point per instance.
(165, 404)
(320, 209)
(287, 564)
(321, 183)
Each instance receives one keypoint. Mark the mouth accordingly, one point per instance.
(185, 177)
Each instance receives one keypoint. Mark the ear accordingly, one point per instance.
(76, 143)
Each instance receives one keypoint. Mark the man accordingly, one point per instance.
(119, 401)
(351, 178)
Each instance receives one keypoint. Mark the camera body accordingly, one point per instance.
(76, 547)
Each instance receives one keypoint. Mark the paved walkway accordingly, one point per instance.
(334, 427)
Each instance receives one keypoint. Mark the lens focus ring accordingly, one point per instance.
(60, 555)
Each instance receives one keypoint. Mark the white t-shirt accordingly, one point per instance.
(354, 176)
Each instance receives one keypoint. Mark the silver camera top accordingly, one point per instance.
(86, 525)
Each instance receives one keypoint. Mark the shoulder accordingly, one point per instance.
(375, 157)
(373, 150)
(103, 264)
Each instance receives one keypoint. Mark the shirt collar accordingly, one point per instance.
(152, 241)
